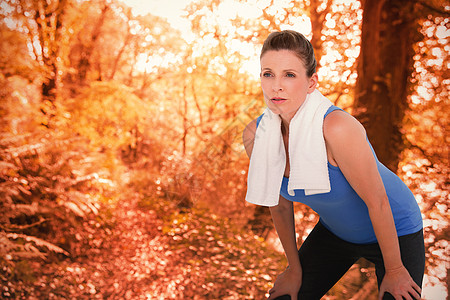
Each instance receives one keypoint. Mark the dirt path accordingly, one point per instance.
(130, 263)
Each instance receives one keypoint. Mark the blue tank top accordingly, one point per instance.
(345, 214)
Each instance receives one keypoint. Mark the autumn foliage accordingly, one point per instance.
(122, 170)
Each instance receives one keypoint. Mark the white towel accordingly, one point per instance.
(307, 154)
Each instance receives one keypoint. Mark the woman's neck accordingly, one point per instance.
(285, 122)
(285, 126)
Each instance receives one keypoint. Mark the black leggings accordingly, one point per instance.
(325, 258)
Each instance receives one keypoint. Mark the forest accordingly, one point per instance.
(122, 168)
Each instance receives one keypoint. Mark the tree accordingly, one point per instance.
(425, 162)
(389, 32)
(44, 23)
(87, 43)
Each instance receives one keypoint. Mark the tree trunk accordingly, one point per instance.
(184, 113)
(48, 17)
(317, 23)
(389, 31)
(84, 64)
(126, 42)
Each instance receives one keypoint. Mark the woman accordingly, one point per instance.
(368, 212)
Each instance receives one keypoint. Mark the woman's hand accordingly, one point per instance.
(399, 284)
(287, 283)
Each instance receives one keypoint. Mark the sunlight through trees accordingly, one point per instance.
(122, 170)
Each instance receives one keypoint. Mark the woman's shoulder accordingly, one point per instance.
(340, 124)
(250, 129)
(248, 136)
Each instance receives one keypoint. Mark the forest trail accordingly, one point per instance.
(141, 254)
(130, 261)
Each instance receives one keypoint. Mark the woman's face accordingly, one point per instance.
(284, 82)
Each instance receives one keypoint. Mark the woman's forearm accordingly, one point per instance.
(283, 219)
(385, 231)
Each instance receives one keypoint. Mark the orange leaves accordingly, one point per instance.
(227, 261)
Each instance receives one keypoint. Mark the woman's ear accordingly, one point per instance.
(313, 80)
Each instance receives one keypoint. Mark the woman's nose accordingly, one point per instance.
(276, 87)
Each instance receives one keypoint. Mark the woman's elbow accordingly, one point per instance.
(380, 204)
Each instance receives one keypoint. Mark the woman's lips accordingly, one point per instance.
(278, 100)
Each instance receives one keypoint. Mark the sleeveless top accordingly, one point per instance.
(345, 214)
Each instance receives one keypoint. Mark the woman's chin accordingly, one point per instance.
(275, 110)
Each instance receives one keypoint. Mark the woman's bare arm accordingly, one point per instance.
(283, 220)
(288, 282)
(346, 138)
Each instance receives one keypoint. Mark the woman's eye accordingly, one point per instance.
(267, 74)
(290, 75)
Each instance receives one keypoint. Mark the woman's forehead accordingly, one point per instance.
(281, 59)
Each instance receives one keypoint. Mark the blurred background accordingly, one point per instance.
(122, 169)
